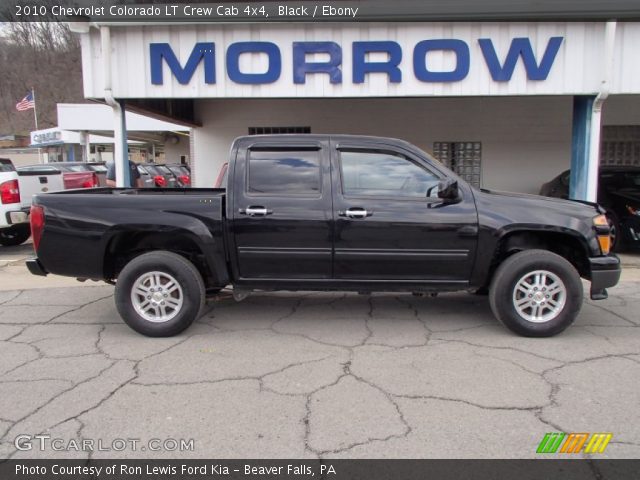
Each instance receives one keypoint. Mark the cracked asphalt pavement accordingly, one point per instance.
(304, 375)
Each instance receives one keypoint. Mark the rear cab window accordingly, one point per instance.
(6, 165)
(284, 172)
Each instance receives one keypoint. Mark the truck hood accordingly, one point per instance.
(575, 208)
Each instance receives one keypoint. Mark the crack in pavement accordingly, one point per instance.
(78, 308)
(615, 314)
(18, 293)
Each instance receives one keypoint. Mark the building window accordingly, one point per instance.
(277, 130)
(620, 145)
(285, 172)
(464, 158)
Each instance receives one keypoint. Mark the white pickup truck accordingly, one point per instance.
(17, 188)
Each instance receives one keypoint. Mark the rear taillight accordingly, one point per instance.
(184, 179)
(37, 224)
(160, 181)
(10, 192)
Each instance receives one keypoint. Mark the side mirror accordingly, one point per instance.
(448, 189)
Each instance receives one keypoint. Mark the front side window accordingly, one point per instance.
(284, 172)
(374, 173)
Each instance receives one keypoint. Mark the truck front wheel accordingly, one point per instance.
(536, 293)
(159, 294)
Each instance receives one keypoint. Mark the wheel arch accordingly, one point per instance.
(569, 244)
(124, 244)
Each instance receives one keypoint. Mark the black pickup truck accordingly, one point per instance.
(325, 212)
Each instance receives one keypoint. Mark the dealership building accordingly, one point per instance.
(506, 104)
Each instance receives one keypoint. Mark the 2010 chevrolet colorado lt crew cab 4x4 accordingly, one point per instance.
(321, 212)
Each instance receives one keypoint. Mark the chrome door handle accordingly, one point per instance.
(356, 212)
(256, 211)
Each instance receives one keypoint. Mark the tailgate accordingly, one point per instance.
(34, 180)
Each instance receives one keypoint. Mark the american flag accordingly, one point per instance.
(26, 103)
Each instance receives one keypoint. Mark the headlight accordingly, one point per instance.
(602, 231)
(633, 210)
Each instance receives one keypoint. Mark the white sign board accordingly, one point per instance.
(360, 60)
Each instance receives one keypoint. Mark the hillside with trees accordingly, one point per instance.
(45, 56)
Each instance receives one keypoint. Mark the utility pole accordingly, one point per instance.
(35, 118)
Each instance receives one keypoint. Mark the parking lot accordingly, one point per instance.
(292, 375)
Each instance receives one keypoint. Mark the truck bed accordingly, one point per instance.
(85, 228)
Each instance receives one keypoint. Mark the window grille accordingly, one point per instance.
(277, 130)
(620, 145)
(464, 158)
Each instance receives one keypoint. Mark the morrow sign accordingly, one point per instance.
(537, 65)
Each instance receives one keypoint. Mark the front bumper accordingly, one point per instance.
(605, 272)
(35, 267)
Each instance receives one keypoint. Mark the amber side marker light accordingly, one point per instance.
(602, 229)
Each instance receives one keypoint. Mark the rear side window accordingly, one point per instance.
(285, 172)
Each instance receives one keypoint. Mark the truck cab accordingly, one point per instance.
(343, 210)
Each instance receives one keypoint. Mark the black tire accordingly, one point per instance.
(185, 274)
(503, 285)
(16, 235)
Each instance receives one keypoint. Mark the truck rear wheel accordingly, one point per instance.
(16, 235)
(159, 294)
(536, 293)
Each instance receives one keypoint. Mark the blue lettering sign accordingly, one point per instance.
(500, 70)
(201, 51)
(361, 67)
(422, 72)
(520, 47)
(332, 67)
(233, 62)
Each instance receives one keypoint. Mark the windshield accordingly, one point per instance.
(152, 169)
(163, 170)
(177, 170)
(75, 168)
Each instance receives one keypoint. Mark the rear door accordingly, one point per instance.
(390, 225)
(282, 214)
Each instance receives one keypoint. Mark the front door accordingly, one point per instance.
(390, 224)
(282, 217)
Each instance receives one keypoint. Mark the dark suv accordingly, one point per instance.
(618, 193)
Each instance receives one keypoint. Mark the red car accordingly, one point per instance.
(182, 174)
(79, 179)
